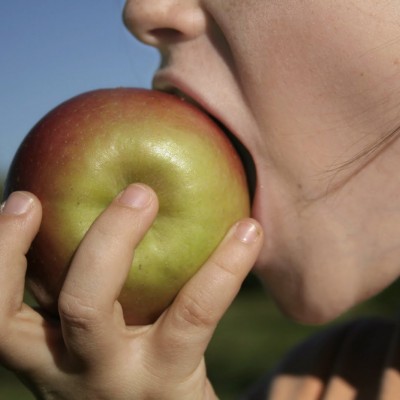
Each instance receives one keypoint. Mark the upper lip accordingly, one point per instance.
(169, 83)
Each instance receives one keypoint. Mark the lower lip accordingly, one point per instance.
(245, 156)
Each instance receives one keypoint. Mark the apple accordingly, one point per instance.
(89, 148)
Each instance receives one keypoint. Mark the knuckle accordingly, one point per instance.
(226, 268)
(75, 312)
(230, 273)
(112, 229)
(106, 231)
(13, 238)
(193, 313)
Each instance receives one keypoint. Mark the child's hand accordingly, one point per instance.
(90, 353)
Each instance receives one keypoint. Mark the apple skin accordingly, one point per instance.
(89, 148)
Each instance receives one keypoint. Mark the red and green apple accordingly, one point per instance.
(86, 150)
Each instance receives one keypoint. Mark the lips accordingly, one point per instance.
(245, 156)
(165, 85)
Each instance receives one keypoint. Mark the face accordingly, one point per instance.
(308, 87)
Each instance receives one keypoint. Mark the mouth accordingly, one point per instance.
(245, 157)
(241, 149)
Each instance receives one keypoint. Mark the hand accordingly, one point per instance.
(89, 353)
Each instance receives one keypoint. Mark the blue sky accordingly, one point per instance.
(54, 49)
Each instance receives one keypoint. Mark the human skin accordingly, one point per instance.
(89, 353)
(308, 87)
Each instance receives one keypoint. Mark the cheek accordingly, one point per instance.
(321, 87)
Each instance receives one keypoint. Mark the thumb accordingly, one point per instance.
(182, 334)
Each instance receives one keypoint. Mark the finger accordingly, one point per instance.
(31, 344)
(98, 271)
(184, 331)
(20, 218)
(23, 332)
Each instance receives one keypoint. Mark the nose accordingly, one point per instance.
(163, 22)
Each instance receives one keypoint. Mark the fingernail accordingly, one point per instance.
(247, 232)
(135, 196)
(17, 203)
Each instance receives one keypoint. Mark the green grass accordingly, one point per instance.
(250, 339)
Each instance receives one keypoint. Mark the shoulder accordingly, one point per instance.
(343, 362)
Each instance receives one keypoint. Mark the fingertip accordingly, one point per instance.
(136, 196)
(247, 231)
(20, 204)
(17, 203)
(20, 214)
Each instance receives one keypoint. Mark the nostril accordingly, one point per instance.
(159, 23)
(166, 35)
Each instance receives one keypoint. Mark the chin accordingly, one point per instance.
(309, 312)
(305, 301)
(312, 314)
